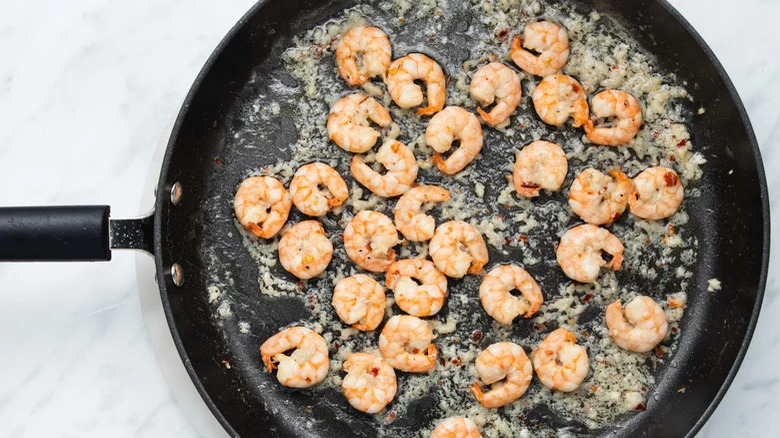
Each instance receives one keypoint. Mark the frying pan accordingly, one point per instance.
(731, 219)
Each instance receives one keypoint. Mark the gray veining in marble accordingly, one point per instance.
(87, 88)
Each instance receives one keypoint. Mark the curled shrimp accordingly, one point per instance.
(370, 382)
(306, 366)
(643, 326)
(579, 252)
(305, 250)
(406, 94)
(504, 366)
(424, 299)
(307, 195)
(559, 97)
(559, 362)
(359, 300)
(450, 124)
(599, 199)
(401, 167)
(456, 427)
(458, 248)
(406, 344)
(626, 111)
(657, 193)
(539, 165)
(547, 38)
(348, 122)
(498, 83)
(409, 218)
(262, 205)
(363, 52)
(369, 240)
(497, 299)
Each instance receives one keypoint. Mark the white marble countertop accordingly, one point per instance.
(87, 88)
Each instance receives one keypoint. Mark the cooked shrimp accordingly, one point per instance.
(657, 194)
(498, 83)
(307, 195)
(599, 199)
(262, 205)
(643, 326)
(306, 366)
(359, 300)
(559, 97)
(407, 94)
(370, 382)
(424, 299)
(409, 218)
(363, 52)
(559, 362)
(626, 111)
(369, 240)
(579, 252)
(495, 293)
(504, 366)
(539, 165)
(458, 248)
(406, 344)
(454, 123)
(348, 124)
(304, 250)
(401, 167)
(549, 39)
(456, 427)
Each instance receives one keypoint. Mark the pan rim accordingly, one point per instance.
(164, 280)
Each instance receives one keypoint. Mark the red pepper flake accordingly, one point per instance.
(476, 336)
(217, 161)
(538, 327)
(614, 67)
(616, 216)
(674, 330)
(503, 34)
(529, 185)
(522, 237)
(670, 229)
(671, 158)
(375, 371)
(299, 285)
(442, 361)
(585, 334)
(594, 389)
(336, 346)
(681, 143)
(640, 407)
(575, 88)
(390, 416)
(628, 268)
(312, 299)
(308, 408)
(659, 352)
(655, 134)
(415, 351)
(671, 179)
(587, 298)
(644, 389)
(455, 361)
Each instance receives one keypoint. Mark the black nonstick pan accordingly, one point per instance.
(730, 218)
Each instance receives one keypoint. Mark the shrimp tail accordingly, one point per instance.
(517, 43)
(255, 229)
(486, 116)
(477, 391)
(269, 364)
(432, 352)
(438, 161)
(427, 111)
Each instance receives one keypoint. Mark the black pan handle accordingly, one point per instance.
(68, 233)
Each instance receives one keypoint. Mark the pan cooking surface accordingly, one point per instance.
(274, 120)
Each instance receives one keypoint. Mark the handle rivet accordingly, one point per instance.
(176, 193)
(177, 274)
